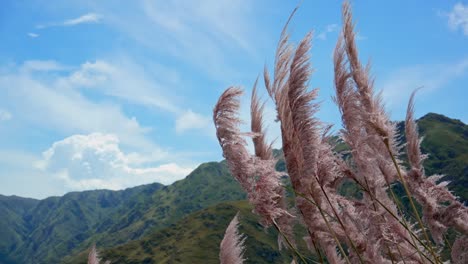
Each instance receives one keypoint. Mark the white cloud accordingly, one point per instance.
(398, 86)
(334, 28)
(92, 74)
(359, 36)
(33, 35)
(125, 80)
(458, 18)
(84, 19)
(128, 81)
(328, 29)
(41, 65)
(5, 115)
(58, 97)
(19, 177)
(190, 120)
(87, 18)
(49, 103)
(95, 161)
(199, 34)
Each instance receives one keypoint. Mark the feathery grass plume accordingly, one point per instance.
(372, 139)
(348, 103)
(371, 125)
(232, 245)
(292, 148)
(264, 152)
(372, 229)
(441, 209)
(301, 136)
(262, 149)
(459, 250)
(226, 120)
(257, 176)
(93, 256)
(303, 155)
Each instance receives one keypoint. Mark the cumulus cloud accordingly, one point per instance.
(96, 161)
(458, 18)
(190, 120)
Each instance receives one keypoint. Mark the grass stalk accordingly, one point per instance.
(317, 250)
(291, 246)
(341, 223)
(403, 223)
(400, 211)
(410, 198)
(328, 226)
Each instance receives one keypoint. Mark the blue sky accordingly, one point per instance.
(108, 94)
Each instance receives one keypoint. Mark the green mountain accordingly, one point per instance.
(446, 142)
(196, 239)
(156, 224)
(60, 226)
(13, 227)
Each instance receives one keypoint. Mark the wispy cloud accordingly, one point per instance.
(201, 35)
(328, 29)
(193, 121)
(331, 28)
(56, 106)
(57, 95)
(19, 177)
(360, 36)
(33, 35)
(5, 115)
(458, 18)
(122, 78)
(41, 65)
(398, 85)
(128, 81)
(88, 18)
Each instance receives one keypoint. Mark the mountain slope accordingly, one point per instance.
(61, 226)
(207, 185)
(14, 229)
(446, 142)
(196, 239)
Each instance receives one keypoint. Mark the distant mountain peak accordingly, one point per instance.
(441, 118)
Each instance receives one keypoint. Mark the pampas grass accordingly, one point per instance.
(374, 229)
